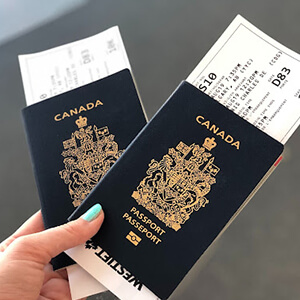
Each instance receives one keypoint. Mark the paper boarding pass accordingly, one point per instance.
(254, 76)
(61, 69)
(58, 70)
(82, 284)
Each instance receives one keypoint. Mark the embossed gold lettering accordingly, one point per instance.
(236, 144)
(206, 124)
(57, 117)
(75, 111)
(98, 102)
(82, 108)
(141, 228)
(199, 118)
(65, 115)
(229, 139)
(90, 106)
(218, 132)
(214, 129)
(221, 134)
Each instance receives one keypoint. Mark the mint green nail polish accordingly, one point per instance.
(92, 213)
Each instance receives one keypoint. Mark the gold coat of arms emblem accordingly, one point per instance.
(176, 185)
(88, 155)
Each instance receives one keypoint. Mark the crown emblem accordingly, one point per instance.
(81, 122)
(177, 185)
(209, 143)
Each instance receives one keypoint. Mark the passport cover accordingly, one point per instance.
(74, 138)
(179, 183)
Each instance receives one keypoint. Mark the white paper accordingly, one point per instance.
(254, 76)
(82, 284)
(111, 274)
(57, 70)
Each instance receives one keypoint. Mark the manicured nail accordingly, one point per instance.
(92, 213)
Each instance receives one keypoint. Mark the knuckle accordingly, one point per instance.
(70, 230)
(23, 242)
(25, 246)
(28, 247)
(76, 233)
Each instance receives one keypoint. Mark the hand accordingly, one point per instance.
(25, 271)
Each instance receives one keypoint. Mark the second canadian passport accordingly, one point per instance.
(178, 185)
(74, 138)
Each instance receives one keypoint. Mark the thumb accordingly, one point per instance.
(41, 247)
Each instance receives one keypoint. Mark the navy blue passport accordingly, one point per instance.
(74, 138)
(177, 186)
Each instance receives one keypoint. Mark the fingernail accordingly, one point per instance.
(92, 213)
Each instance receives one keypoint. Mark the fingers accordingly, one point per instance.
(42, 246)
(50, 274)
(63, 274)
(32, 225)
(56, 288)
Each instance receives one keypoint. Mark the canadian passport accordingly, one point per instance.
(75, 137)
(179, 183)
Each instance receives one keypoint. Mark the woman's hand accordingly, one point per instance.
(25, 271)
